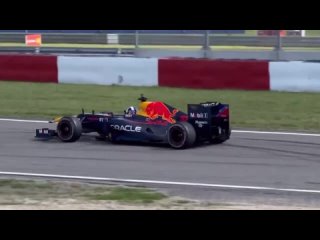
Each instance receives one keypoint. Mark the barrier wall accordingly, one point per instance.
(29, 68)
(108, 71)
(214, 74)
(188, 73)
(295, 76)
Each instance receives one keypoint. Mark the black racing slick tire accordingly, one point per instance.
(69, 129)
(181, 135)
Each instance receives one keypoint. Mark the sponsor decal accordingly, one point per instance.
(126, 128)
(200, 123)
(33, 40)
(210, 104)
(159, 109)
(103, 119)
(43, 131)
(199, 115)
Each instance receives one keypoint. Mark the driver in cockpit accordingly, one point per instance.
(131, 111)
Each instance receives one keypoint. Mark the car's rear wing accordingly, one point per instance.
(210, 118)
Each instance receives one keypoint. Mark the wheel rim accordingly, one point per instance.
(65, 130)
(177, 136)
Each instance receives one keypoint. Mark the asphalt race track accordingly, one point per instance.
(236, 171)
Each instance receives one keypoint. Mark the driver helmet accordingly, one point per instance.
(131, 110)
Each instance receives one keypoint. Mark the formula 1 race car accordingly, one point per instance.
(154, 122)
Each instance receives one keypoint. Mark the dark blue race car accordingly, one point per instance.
(153, 122)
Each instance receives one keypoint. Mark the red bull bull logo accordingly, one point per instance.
(159, 109)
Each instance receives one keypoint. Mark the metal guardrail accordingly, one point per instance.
(58, 50)
(166, 39)
(118, 46)
(273, 55)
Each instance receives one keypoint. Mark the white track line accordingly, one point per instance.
(158, 182)
(21, 120)
(233, 131)
(278, 133)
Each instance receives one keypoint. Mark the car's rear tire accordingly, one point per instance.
(181, 135)
(69, 129)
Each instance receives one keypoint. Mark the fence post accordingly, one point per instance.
(279, 40)
(206, 45)
(278, 44)
(137, 39)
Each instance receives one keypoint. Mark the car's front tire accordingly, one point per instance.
(69, 129)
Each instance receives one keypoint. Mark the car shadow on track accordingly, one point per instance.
(92, 139)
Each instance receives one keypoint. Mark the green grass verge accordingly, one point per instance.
(128, 195)
(48, 189)
(249, 109)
